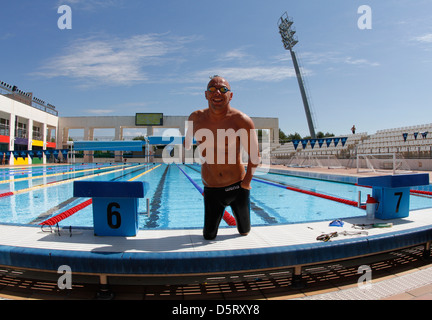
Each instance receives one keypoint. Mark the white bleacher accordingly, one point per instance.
(383, 141)
(391, 140)
(284, 150)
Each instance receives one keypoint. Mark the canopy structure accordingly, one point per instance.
(161, 140)
(133, 145)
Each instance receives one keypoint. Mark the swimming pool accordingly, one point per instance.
(32, 195)
(170, 244)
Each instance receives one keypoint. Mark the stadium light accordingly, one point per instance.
(289, 40)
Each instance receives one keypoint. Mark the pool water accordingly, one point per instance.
(42, 192)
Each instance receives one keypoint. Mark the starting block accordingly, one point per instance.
(115, 205)
(393, 193)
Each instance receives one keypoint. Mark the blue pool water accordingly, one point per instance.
(174, 201)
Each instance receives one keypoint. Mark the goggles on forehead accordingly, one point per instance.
(221, 89)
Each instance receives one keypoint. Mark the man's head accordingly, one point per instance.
(218, 93)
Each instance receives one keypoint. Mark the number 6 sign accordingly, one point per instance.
(115, 214)
(115, 205)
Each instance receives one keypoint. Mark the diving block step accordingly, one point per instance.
(115, 205)
(393, 192)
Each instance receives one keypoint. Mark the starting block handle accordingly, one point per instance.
(107, 189)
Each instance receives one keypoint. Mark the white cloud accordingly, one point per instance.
(112, 61)
(267, 74)
(235, 54)
(97, 60)
(318, 58)
(350, 60)
(188, 90)
(333, 57)
(130, 106)
(243, 67)
(426, 38)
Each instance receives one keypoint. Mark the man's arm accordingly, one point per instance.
(252, 150)
(189, 133)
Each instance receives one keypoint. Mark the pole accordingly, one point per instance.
(303, 94)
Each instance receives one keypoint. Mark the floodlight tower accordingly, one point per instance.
(289, 41)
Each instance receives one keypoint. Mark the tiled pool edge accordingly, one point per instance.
(316, 175)
(126, 262)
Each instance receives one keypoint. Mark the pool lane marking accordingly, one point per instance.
(58, 174)
(152, 221)
(36, 170)
(61, 216)
(46, 214)
(60, 182)
(140, 175)
(228, 218)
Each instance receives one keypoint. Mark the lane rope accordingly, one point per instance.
(312, 193)
(59, 174)
(429, 193)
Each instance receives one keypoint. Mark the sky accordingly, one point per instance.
(121, 57)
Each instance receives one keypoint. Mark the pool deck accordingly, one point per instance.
(191, 240)
(167, 243)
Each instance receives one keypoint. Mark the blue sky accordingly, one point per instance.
(127, 56)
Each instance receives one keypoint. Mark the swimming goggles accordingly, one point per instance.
(327, 237)
(221, 89)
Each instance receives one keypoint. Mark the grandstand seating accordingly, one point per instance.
(416, 139)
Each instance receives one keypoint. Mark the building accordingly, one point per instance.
(26, 123)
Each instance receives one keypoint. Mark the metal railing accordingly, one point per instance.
(7, 89)
(4, 130)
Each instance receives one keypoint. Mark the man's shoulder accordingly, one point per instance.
(241, 117)
(197, 113)
(238, 113)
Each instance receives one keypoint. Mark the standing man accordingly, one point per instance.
(220, 131)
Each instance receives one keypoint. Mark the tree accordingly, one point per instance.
(139, 138)
(321, 135)
(282, 136)
(295, 136)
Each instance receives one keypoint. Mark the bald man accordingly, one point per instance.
(220, 131)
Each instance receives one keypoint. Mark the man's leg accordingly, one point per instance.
(213, 213)
(241, 210)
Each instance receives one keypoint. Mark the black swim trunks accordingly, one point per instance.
(215, 202)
